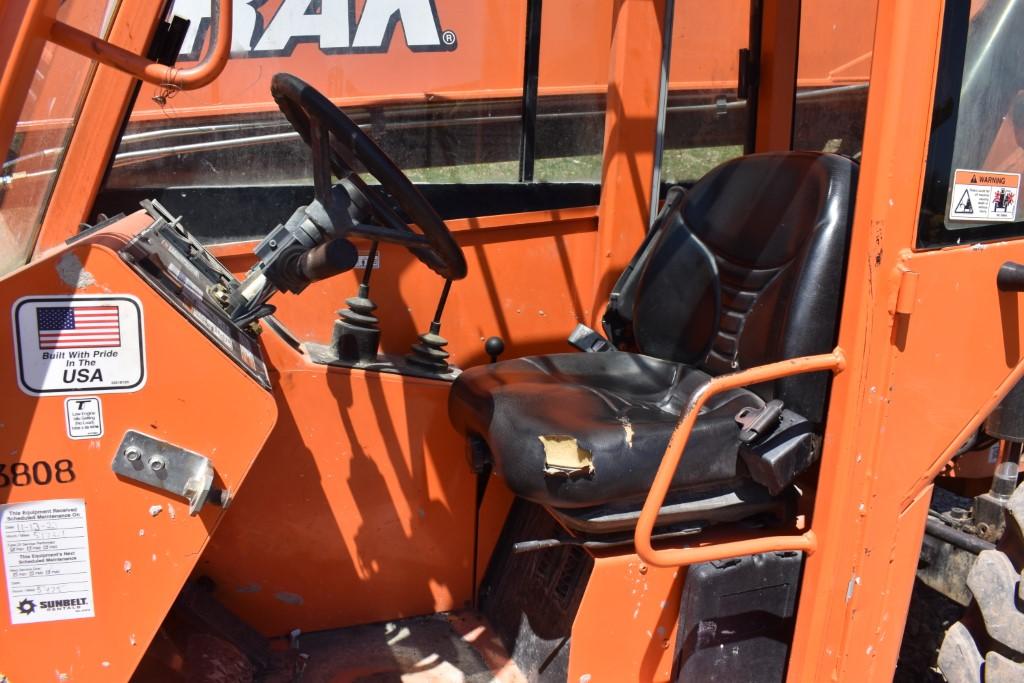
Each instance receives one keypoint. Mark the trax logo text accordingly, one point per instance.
(259, 31)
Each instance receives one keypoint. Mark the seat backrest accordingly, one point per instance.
(745, 268)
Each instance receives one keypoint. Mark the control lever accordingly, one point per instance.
(1010, 277)
(494, 347)
(429, 352)
(356, 334)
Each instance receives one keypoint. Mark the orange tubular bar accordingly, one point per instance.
(151, 72)
(677, 557)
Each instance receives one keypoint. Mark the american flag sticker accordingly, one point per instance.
(82, 327)
(83, 344)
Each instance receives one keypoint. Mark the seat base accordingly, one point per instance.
(695, 510)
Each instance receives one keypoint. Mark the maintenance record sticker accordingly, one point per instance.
(984, 196)
(46, 560)
(77, 344)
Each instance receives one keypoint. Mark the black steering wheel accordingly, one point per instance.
(340, 146)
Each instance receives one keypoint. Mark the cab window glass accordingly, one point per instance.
(976, 150)
(438, 85)
(575, 39)
(438, 90)
(706, 118)
(41, 134)
(836, 42)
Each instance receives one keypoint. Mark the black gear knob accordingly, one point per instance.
(494, 347)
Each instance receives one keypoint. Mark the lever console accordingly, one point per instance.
(177, 266)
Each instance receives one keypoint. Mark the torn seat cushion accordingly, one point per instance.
(620, 408)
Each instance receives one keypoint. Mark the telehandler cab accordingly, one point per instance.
(311, 413)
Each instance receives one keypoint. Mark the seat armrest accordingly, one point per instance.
(775, 460)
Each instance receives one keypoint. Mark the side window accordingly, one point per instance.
(706, 118)
(42, 132)
(833, 68)
(438, 84)
(572, 83)
(976, 150)
(708, 115)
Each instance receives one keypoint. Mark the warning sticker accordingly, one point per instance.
(68, 345)
(84, 417)
(984, 196)
(46, 560)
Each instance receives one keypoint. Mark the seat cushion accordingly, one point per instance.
(620, 408)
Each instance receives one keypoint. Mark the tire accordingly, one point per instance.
(995, 621)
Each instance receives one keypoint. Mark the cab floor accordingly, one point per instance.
(455, 647)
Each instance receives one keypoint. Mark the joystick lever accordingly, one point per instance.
(429, 351)
(356, 336)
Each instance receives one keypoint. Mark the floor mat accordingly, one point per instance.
(442, 648)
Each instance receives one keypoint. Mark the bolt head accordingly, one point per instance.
(132, 454)
(157, 464)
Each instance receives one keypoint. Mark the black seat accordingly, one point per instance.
(744, 269)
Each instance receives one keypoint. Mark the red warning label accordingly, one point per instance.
(984, 196)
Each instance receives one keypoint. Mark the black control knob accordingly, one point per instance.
(494, 347)
(1010, 277)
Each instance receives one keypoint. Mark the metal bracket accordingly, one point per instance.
(161, 465)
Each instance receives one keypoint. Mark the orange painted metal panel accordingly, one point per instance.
(359, 509)
(947, 360)
(140, 554)
(625, 629)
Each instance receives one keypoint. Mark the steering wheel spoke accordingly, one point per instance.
(339, 145)
(406, 238)
(319, 143)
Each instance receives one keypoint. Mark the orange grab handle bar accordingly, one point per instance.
(158, 74)
(677, 557)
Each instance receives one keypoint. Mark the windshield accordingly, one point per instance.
(442, 88)
(42, 133)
